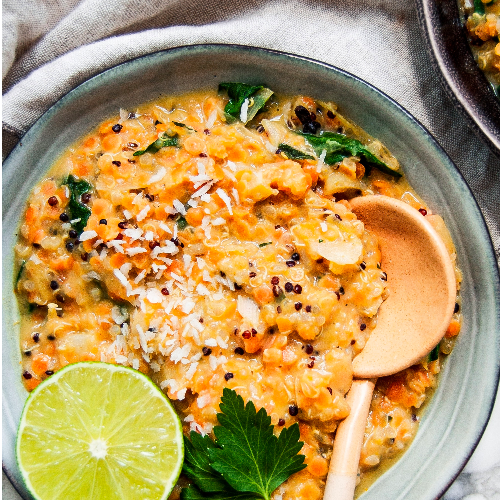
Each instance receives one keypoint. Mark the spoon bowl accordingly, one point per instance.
(411, 321)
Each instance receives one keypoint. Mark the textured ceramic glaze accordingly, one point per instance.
(459, 73)
(447, 434)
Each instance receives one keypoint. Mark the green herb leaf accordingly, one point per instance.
(197, 464)
(247, 461)
(193, 493)
(434, 354)
(162, 142)
(294, 154)
(479, 7)
(339, 146)
(257, 96)
(20, 272)
(252, 459)
(182, 223)
(320, 241)
(265, 244)
(179, 124)
(76, 209)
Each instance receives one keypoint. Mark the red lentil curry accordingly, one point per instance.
(208, 242)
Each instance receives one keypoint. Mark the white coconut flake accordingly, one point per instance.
(179, 207)
(230, 175)
(201, 289)
(165, 228)
(137, 199)
(205, 198)
(121, 278)
(248, 309)
(324, 227)
(140, 276)
(181, 394)
(170, 210)
(149, 236)
(136, 364)
(191, 371)
(127, 214)
(211, 342)
(236, 196)
(187, 306)
(225, 198)
(143, 213)
(231, 165)
(35, 259)
(321, 161)
(87, 235)
(158, 176)
(244, 110)
(154, 296)
(203, 401)
(222, 343)
(218, 222)
(74, 221)
(133, 233)
(135, 251)
(203, 190)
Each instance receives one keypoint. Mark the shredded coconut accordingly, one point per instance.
(87, 235)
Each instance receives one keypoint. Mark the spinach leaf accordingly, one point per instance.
(162, 142)
(294, 154)
(179, 124)
(76, 209)
(257, 96)
(182, 223)
(434, 354)
(339, 146)
(20, 272)
(479, 7)
(264, 244)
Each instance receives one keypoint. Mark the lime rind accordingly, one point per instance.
(153, 442)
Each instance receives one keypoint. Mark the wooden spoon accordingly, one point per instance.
(411, 321)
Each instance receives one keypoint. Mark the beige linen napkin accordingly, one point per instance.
(51, 46)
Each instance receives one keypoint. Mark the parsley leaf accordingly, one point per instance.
(339, 146)
(162, 142)
(247, 461)
(294, 154)
(76, 209)
(251, 457)
(193, 493)
(257, 96)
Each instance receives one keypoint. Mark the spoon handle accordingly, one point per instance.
(344, 464)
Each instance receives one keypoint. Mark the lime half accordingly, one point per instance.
(102, 432)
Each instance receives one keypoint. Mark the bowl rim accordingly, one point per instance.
(443, 157)
(459, 74)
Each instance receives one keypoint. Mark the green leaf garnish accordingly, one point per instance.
(294, 154)
(179, 124)
(265, 244)
(320, 241)
(182, 223)
(479, 7)
(162, 142)
(434, 354)
(338, 146)
(76, 209)
(257, 96)
(247, 461)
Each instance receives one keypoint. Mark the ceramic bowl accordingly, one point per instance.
(456, 417)
(460, 76)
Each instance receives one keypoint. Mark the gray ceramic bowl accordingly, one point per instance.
(457, 415)
(460, 76)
